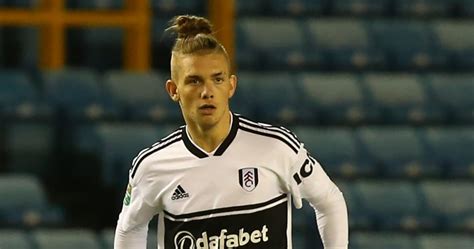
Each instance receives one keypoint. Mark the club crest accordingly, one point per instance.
(128, 195)
(248, 178)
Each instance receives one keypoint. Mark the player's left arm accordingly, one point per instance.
(309, 181)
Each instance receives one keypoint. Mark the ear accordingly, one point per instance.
(233, 85)
(172, 90)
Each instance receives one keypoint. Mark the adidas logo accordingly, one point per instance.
(179, 193)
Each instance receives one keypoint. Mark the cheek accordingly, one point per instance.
(226, 92)
(186, 97)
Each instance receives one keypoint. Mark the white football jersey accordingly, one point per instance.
(235, 197)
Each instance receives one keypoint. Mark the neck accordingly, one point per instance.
(208, 138)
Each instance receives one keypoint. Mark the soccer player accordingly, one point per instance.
(222, 180)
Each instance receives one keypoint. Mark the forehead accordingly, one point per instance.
(203, 64)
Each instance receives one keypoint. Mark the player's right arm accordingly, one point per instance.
(137, 211)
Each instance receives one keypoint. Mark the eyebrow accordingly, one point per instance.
(218, 74)
(194, 76)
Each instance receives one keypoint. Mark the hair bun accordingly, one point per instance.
(187, 26)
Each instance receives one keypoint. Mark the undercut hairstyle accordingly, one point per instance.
(194, 35)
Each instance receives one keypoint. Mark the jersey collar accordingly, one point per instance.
(194, 149)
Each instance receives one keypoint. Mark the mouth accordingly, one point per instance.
(207, 106)
(207, 109)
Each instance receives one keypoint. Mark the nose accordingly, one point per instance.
(207, 90)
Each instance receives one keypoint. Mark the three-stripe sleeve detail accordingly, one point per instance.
(165, 142)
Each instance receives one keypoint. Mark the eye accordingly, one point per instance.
(193, 81)
(219, 80)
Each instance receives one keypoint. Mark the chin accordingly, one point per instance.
(208, 121)
(211, 120)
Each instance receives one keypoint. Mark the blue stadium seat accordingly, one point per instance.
(299, 240)
(337, 98)
(87, 149)
(436, 8)
(103, 152)
(382, 240)
(397, 151)
(457, 38)
(76, 94)
(454, 92)
(360, 7)
(142, 96)
(120, 143)
(401, 98)
(244, 100)
(273, 43)
(443, 241)
(336, 150)
(303, 218)
(176, 7)
(24, 203)
(304, 229)
(284, 105)
(17, 239)
(452, 149)
(345, 44)
(408, 45)
(21, 192)
(27, 155)
(358, 219)
(107, 238)
(19, 99)
(452, 203)
(295, 7)
(393, 205)
(65, 238)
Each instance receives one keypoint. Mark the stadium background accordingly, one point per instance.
(381, 91)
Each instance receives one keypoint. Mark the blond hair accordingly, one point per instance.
(194, 35)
